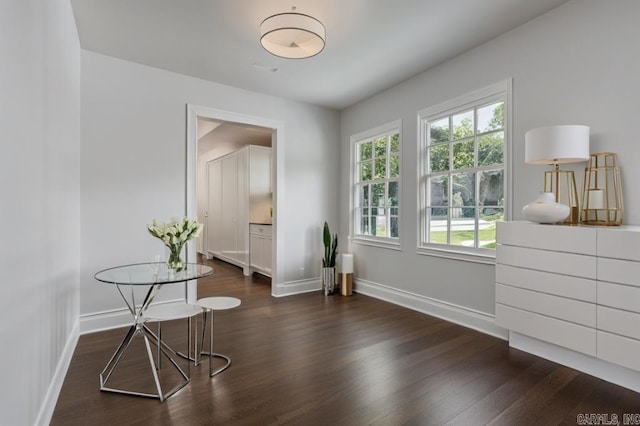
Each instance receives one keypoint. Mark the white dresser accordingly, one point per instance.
(572, 295)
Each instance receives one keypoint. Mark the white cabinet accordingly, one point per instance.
(260, 252)
(576, 288)
(227, 212)
(238, 184)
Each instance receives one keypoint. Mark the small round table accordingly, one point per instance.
(154, 275)
(212, 304)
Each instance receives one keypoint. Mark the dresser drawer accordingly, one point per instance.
(576, 311)
(548, 261)
(562, 333)
(256, 229)
(560, 285)
(620, 322)
(619, 243)
(569, 239)
(619, 271)
(619, 350)
(619, 296)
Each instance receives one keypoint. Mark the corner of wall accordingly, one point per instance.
(51, 398)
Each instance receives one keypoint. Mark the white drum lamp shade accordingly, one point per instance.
(557, 145)
(345, 266)
(292, 35)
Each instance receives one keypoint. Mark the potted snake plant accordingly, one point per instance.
(329, 260)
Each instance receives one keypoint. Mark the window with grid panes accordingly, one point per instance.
(463, 173)
(377, 186)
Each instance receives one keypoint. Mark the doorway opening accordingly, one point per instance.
(239, 147)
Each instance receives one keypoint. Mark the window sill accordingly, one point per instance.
(385, 244)
(484, 256)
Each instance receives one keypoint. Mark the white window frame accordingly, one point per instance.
(500, 91)
(380, 131)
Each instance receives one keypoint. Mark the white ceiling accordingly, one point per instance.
(225, 137)
(206, 126)
(371, 44)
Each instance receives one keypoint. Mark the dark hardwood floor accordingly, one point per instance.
(316, 360)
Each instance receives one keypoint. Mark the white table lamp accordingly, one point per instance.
(559, 145)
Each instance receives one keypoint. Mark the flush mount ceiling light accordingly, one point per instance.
(292, 35)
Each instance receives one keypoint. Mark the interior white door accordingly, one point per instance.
(242, 209)
(260, 190)
(228, 237)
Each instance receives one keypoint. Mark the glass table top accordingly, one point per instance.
(152, 273)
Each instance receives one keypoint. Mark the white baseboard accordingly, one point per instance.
(107, 320)
(53, 392)
(296, 287)
(479, 321)
(613, 373)
(460, 315)
(227, 259)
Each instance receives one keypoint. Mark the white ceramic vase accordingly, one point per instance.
(545, 209)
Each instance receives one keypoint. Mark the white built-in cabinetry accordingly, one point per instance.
(572, 294)
(260, 252)
(239, 189)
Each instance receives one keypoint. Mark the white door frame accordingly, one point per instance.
(277, 162)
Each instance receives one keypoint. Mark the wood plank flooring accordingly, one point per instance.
(316, 360)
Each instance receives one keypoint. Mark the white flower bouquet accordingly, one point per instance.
(174, 235)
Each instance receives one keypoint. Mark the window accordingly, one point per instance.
(376, 186)
(463, 171)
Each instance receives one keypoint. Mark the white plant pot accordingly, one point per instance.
(328, 280)
(545, 209)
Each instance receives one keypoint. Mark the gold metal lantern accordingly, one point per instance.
(602, 191)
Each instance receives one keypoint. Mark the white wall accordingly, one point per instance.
(40, 213)
(134, 168)
(577, 64)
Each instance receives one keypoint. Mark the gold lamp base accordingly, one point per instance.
(563, 184)
(346, 284)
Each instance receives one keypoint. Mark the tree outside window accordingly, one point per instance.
(464, 174)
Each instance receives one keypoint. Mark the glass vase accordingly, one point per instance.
(175, 262)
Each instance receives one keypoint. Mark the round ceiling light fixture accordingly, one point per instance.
(292, 35)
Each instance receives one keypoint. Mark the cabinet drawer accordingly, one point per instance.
(619, 322)
(546, 260)
(562, 333)
(260, 229)
(582, 313)
(619, 271)
(569, 239)
(619, 350)
(560, 285)
(619, 243)
(619, 296)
